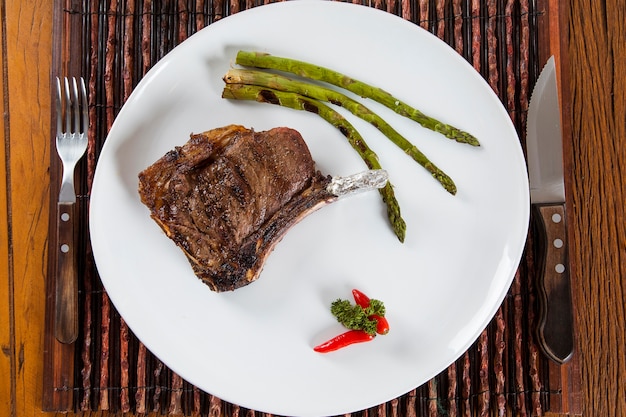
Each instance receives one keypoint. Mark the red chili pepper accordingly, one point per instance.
(345, 339)
(382, 325)
(360, 298)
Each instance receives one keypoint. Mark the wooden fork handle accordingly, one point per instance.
(66, 305)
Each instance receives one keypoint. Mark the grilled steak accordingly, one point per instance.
(229, 195)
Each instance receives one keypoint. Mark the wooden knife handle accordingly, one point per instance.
(555, 330)
(66, 303)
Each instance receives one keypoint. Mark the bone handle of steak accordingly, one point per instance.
(279, 82)
(299, 102)
(363, 181)
(316, 72)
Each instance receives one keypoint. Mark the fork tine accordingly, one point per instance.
(85, 104)
(76, 106)
(59, 110)
(68, 107)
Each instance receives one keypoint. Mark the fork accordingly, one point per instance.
(71, 144)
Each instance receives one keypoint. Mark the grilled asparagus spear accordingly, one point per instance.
(300, 102)
(316, 72)
(282, 83)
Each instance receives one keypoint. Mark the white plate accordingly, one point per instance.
(253, 346)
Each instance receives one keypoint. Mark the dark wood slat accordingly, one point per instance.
(58, 371)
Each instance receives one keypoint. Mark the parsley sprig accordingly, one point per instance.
(355, 317)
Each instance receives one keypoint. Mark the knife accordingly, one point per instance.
(547, 194)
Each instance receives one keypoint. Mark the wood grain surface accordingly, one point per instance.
(6, 286)
(596, 44)
(597, 50)
(26, 40)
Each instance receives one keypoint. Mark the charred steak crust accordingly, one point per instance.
(229, 195)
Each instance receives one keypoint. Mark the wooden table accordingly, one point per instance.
(596, 198)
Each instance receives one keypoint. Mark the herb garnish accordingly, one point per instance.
(356, 317)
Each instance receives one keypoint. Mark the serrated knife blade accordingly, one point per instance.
(544, 147)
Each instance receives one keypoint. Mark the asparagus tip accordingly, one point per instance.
(447, 182)
(400, 231)
(456, 134)
(469, 139)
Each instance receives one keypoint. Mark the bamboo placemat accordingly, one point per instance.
(113, 43)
